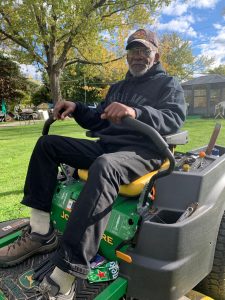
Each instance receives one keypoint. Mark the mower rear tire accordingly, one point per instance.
(214, 284)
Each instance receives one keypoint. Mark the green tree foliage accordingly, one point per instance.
(12, 83)
(178, 59)
(41, 95)
(84, 89)
(88, 83)
(176, 55)
(77, 85)
(58, 33)
(218, 70)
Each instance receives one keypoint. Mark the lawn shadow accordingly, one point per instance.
(11, 193)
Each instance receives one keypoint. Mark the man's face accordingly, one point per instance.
(140, 59)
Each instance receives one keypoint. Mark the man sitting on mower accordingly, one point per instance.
(118, 157)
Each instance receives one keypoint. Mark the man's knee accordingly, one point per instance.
(104, 164)
(105, 170)
(46, 142)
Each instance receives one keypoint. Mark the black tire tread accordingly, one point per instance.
(214, 284)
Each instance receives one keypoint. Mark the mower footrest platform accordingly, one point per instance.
(17, 282)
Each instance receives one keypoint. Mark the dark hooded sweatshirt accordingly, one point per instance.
(157, 98)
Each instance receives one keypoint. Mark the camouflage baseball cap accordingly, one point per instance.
(145, 37)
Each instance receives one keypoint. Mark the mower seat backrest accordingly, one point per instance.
(135, 188)
(179, 138)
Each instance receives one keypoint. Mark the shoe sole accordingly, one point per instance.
(43, 249)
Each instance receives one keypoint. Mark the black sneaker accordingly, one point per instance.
(27, 245)
(49, 289)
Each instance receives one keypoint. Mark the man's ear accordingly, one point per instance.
(156, 57)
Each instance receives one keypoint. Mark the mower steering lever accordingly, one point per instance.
(47, 125)
(154, 136)
(139, 127)
(162, 146)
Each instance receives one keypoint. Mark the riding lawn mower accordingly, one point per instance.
(165, 236)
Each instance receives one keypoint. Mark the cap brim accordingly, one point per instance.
(140, 41)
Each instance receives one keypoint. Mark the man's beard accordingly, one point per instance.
(138, 73)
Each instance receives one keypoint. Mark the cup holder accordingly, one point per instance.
(166, 217)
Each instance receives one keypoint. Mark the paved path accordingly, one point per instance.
(19, 123)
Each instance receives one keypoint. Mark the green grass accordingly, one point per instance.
(200, 131)
(17, 144)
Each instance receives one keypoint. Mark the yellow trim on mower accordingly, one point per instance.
(134, 188)
(124, 256)
(193, 295)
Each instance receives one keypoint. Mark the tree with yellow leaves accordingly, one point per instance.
(178, 59)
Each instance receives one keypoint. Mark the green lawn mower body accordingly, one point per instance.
(168, 246)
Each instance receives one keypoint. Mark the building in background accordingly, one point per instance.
(204, 94)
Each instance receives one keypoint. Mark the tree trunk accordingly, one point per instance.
(54, 78)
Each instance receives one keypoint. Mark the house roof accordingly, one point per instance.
(211, 78)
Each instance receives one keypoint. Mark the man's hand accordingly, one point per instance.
(116, 111)
(63, 109)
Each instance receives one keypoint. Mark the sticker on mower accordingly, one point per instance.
(8, 227)
(26, 280)
(69, 205)
(106, 272)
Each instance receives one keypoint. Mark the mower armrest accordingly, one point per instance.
(179, 138)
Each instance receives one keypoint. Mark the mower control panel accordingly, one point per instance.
(193, 162)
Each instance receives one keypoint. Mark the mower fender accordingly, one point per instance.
(178, 255)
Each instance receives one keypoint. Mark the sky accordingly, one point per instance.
(31, 71)
(202, 22)
(199, 21)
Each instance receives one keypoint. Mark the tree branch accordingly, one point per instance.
(73, 32)
(16, 38)
(86, 62)
(19, 41)
(42, 28)
(6, 18)
(99, 4)
(62, 57)
(121, 9)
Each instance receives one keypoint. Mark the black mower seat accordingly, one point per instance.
(134, 188)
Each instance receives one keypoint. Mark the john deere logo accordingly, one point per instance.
(26, 280)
